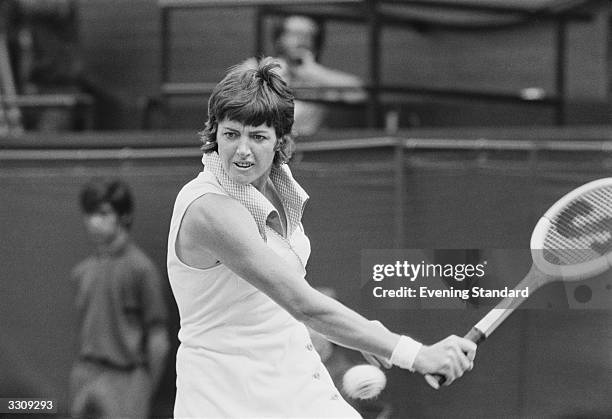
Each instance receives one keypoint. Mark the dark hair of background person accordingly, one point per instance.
(112, 191)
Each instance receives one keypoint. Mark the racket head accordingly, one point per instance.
(573, 239)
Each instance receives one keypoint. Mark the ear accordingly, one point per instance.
(212, 126)
(280, 142)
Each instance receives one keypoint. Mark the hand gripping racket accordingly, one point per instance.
(572, 241)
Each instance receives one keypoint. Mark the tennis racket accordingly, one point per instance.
(571, 242)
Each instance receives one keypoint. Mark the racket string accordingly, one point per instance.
(582, 231)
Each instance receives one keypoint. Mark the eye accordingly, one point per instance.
(230, 135)
(259, 138)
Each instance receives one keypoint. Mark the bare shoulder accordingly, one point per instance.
(215, 228)
(212, 213)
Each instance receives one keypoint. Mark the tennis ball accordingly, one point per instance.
(363, 381)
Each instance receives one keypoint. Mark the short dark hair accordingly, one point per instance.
(108, 191)
(253, 93)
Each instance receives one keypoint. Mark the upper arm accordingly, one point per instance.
(225, 229)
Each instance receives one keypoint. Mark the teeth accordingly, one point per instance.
(239, 164)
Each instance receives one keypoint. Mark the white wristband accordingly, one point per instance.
(405, 352)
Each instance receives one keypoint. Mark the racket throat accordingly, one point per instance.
(531, 282)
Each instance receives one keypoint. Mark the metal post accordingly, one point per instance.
(164, 46)
(561, 67)
(260, 30)
(374, 61)
(399, 186)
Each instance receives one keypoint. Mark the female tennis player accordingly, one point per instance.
(236, 261)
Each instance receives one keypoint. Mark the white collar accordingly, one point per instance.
(292, 195)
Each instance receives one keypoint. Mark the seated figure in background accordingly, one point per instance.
(298, 41)
(46, 60)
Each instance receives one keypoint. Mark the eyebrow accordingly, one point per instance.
(255, 131)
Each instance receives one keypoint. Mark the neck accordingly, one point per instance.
(261, 184)
(115, 244)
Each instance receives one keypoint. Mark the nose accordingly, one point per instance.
(243, 150)
(93, 221)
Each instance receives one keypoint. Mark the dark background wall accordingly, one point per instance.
(121, 48)
(541, 363)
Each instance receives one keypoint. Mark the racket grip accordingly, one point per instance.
(475, 335)
(436, 380)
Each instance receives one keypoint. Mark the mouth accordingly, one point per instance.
(243, 164)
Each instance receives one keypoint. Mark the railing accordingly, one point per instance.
(401, 147)
(373, 14)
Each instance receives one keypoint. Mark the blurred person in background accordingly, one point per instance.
(298, 44)
(338, 360)
(44, 49)
(123, 341)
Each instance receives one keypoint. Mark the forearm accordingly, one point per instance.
(241, 249)
(226, 229)
(319, 75)
(321, 313)
(340, 86)
(345, 327)
(157, 349)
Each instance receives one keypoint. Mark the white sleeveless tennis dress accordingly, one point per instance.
(241, 355)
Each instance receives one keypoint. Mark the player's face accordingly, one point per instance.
(246, 151)
(103, 225)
